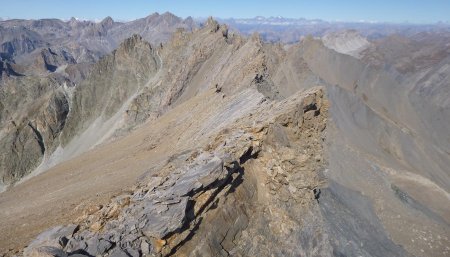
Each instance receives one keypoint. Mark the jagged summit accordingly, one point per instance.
(132, 42)
(107, 22)
(211, 22)
(189, 19)
(85, 41)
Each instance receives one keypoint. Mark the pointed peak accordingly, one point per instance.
(256, 37)
(190, 22)
(211, 21)
(152, 16)
(108, 20)
(73, 21)
(212, 24)
(169, 14)
(170, 18)
(107, 23)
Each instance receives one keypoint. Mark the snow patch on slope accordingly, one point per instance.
(348, 42)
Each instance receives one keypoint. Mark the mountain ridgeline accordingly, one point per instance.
(44, 60)
(327, 147)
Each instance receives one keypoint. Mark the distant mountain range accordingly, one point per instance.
(277, 21)
(84, 41)
(290, 30)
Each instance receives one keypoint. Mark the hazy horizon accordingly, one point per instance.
(402, 11)
(201, 18)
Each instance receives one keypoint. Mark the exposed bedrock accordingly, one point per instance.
(29, 137)
(257, 189)
(253, 190)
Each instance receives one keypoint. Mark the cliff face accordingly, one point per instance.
(34, 113)
(113, 80)
(36, 109)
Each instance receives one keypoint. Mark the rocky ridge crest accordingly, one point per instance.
(270, 170)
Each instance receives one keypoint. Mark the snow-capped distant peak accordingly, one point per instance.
(276, 21)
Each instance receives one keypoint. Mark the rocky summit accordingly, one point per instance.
(190, 139)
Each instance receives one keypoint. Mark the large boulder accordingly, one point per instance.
(51, 242)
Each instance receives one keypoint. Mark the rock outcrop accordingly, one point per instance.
(242, 194)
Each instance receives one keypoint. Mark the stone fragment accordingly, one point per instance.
(132, 252)
(117, 252)
(96, 226)
(159, 225)
(201, 200)
(145, 247)
(74, 245)
(96, 246)
(159, 244)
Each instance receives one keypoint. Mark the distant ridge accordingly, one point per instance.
(290, 30)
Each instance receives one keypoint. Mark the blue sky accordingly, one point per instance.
(416, 11)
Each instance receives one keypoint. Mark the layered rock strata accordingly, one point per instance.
(253, 186)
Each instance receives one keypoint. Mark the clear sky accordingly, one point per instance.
(416, 11)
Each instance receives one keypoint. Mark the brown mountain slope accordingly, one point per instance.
(238, 159)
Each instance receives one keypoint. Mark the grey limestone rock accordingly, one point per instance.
(96, 246)
(56, 237)
(117, 252)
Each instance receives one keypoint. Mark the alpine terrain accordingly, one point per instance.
(166, 136)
